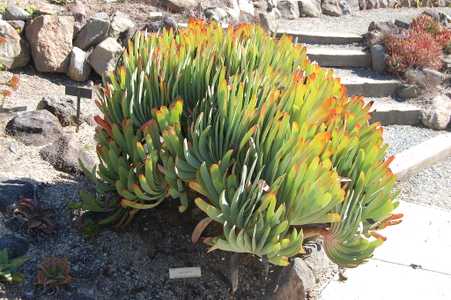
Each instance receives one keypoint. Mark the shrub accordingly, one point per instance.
(419, 47)
(9, 267)
(267, 144)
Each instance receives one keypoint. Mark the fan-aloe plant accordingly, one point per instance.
(265, 142)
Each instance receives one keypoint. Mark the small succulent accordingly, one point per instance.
(9, 267)
(37, 219)
(53, 272)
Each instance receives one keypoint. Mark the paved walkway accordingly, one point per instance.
(414, 263)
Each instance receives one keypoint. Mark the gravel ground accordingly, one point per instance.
(400, 137)
(431, 186)
(357, 22)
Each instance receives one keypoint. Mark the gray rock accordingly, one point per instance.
(317, 261)
(18, 25)
(378, 57)
(95, 31)
(14, 12)
(426, 78)
(217, 14)
(387, 27)
(345, 7)
(35, 128)
(246, 7)
(14, 52)
(374, 38)
(438, 116)
(179, 5)
(104, 56)
(79, 68)
(288, 9)
(64, 155)
(294, 281)
(16, 246)
(407, 91)
(78, 10)
(11, 190)
(402, 24)
(50, 39)
(331, 8)
(64, 108)
(120, 23)
(310, 8)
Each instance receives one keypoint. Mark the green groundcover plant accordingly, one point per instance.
(243, 126)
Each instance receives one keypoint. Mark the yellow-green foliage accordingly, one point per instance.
(264, 142)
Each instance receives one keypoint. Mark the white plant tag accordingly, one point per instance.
(176, 273)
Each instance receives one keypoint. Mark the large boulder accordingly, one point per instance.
(438, 116)
(104, 56)
(94, 32)
(65, 109)
(35, 128)
(294, 281)
(288, 9)
(14, 52)
(50, 40)
(79, 68)
(179, 5)
(331, 8)
(65, 153)
(14, 12)
(310, 8)
(120, 23)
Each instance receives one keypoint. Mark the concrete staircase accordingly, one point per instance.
(352, 63)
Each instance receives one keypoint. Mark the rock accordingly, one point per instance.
(14, 12)
(79, 68)
(294, 281)
(179, 6)
(310, 8)
(438, 116)
(288, 9)
(18, 25)
(246, 7)
(407, 91)
(64, 108)
(64, 155)
(374, 38)
(217, 14)
(426, 78)
(345, 8)
(331, 8)
(16, 246)
(434, 77)
(387, 27)
(14, 51)
(378, 57)
(120, 23)
(50, 40)
(104, 57)
(317, 260)
(35, 128)
(402, 24)
(12, 190)
(155, 26)
(95, 31)
(78, 10)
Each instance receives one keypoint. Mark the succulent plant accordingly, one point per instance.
(53, 272)
(9, 267)
(266, 143)
(37, 220)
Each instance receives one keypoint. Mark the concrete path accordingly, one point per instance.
(414, 263)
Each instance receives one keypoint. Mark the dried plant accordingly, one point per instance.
(10, 85)
(37, 220)
(53, 272)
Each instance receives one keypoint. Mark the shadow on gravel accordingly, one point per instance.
(129, 264)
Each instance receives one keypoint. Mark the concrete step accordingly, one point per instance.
(391, 112)
(364, 82)
(321, 37)
(338, 57)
